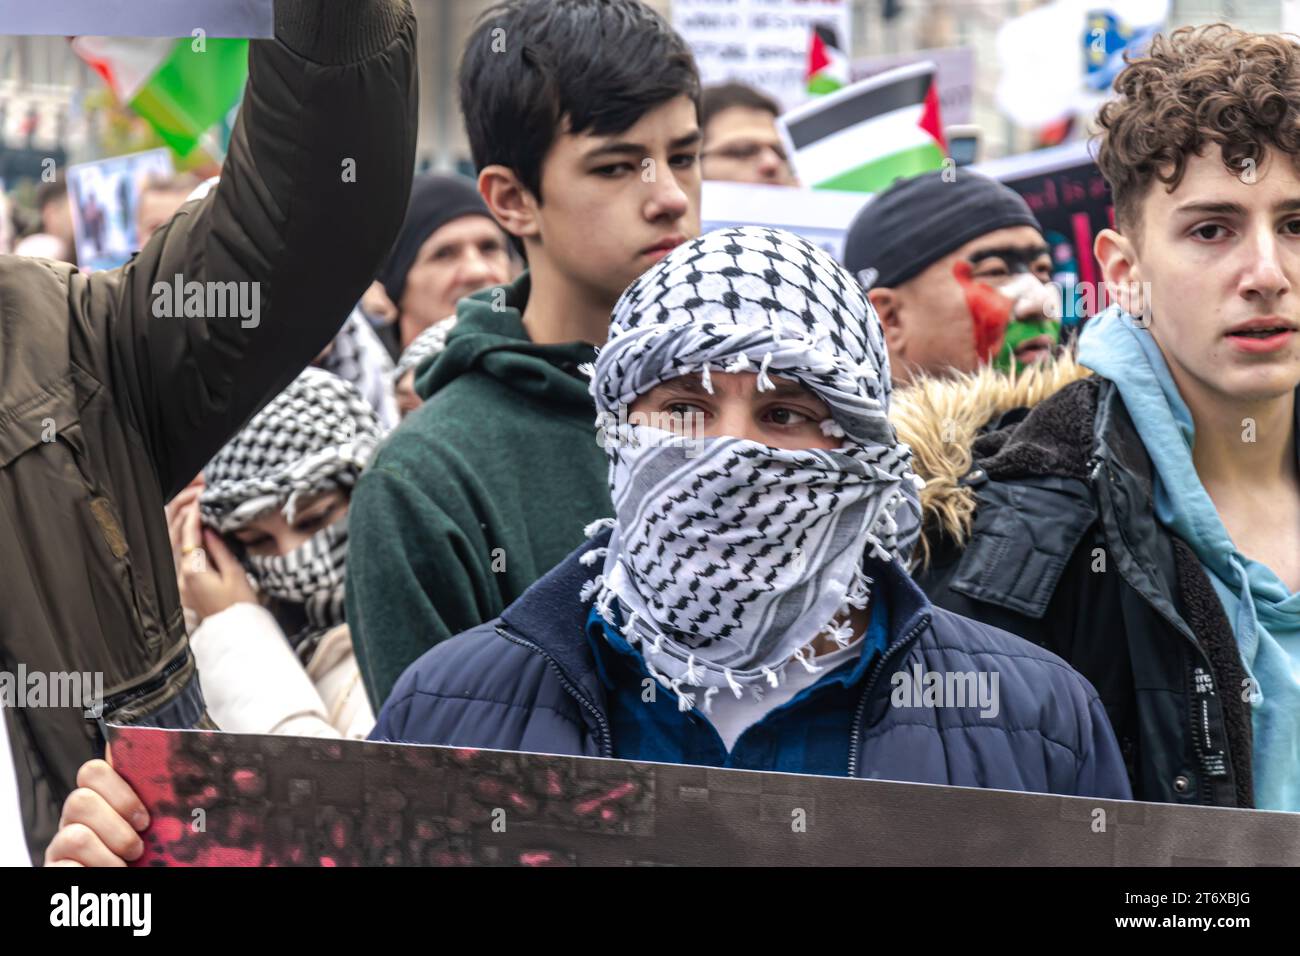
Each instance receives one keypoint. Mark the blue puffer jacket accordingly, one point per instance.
(526, 681)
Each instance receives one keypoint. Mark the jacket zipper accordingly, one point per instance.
(122, 698)
(871, 683)
(606, 739)
(1197, 704)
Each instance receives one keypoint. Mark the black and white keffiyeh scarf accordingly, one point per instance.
(432, 341)
(729, 557)
(358, 356)
(315, 436)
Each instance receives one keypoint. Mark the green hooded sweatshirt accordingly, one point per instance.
(480, 491)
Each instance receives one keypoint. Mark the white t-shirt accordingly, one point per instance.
(732, 717)
(13, 844)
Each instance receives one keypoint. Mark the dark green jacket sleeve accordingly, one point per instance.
(312, 194)
(417, 573)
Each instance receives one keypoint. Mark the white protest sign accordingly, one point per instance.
(760, 42)
(137, 18)
(821, 216)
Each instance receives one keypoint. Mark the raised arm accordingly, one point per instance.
(311, 196)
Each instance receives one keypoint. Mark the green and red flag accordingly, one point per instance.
(183, 87)
(828, 64)
(863, 137)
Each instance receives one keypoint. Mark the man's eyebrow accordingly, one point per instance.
(788, 390)
(1208, 208)
(639, 149)
(685, 383)
(630, 149)
(689, 139)
(1009, 252)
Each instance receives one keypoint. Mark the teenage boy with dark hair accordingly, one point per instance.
(1144, 522)
(583, 120)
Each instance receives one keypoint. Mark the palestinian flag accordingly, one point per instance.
(863, 137)
(828, 66)
(181, 92)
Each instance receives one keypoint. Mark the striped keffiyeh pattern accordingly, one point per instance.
(729, 557)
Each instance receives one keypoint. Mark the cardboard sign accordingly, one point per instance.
(249, 800)
(138, 18)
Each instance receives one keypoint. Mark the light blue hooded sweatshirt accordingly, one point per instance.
(1265, 616)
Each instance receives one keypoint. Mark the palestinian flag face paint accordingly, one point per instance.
(990, 312)
(1021, 331)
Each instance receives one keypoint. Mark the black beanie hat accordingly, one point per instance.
(436, 200)
(918, 221)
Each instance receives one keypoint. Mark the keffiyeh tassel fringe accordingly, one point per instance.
(805, 658)
(739, 364)
(590, 589)
(685, 701)
(597, 526)
(765, 383)
(841, 634)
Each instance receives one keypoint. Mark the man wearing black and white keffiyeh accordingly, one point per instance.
(748, 605)
(706, 580)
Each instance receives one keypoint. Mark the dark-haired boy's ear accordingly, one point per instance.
(1119, 267)
(512, 205)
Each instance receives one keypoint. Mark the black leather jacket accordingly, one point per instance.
(1066, 551)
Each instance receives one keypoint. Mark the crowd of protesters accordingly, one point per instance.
(489, 469)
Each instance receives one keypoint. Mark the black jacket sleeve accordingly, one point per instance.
(311, 196)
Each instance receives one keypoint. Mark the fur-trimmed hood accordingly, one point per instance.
(940, 418)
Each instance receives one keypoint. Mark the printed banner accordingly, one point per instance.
(225, 799)
(760, 42)
(138, 18)
(103, 196)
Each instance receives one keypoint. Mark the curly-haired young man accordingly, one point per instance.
(1144, 521)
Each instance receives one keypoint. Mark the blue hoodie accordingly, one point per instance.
(1265, 616)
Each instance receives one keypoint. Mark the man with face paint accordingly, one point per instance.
(956, 266)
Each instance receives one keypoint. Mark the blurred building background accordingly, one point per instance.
(51, 104)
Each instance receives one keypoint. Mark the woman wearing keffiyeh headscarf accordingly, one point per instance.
(261, 548)
(748, 604)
